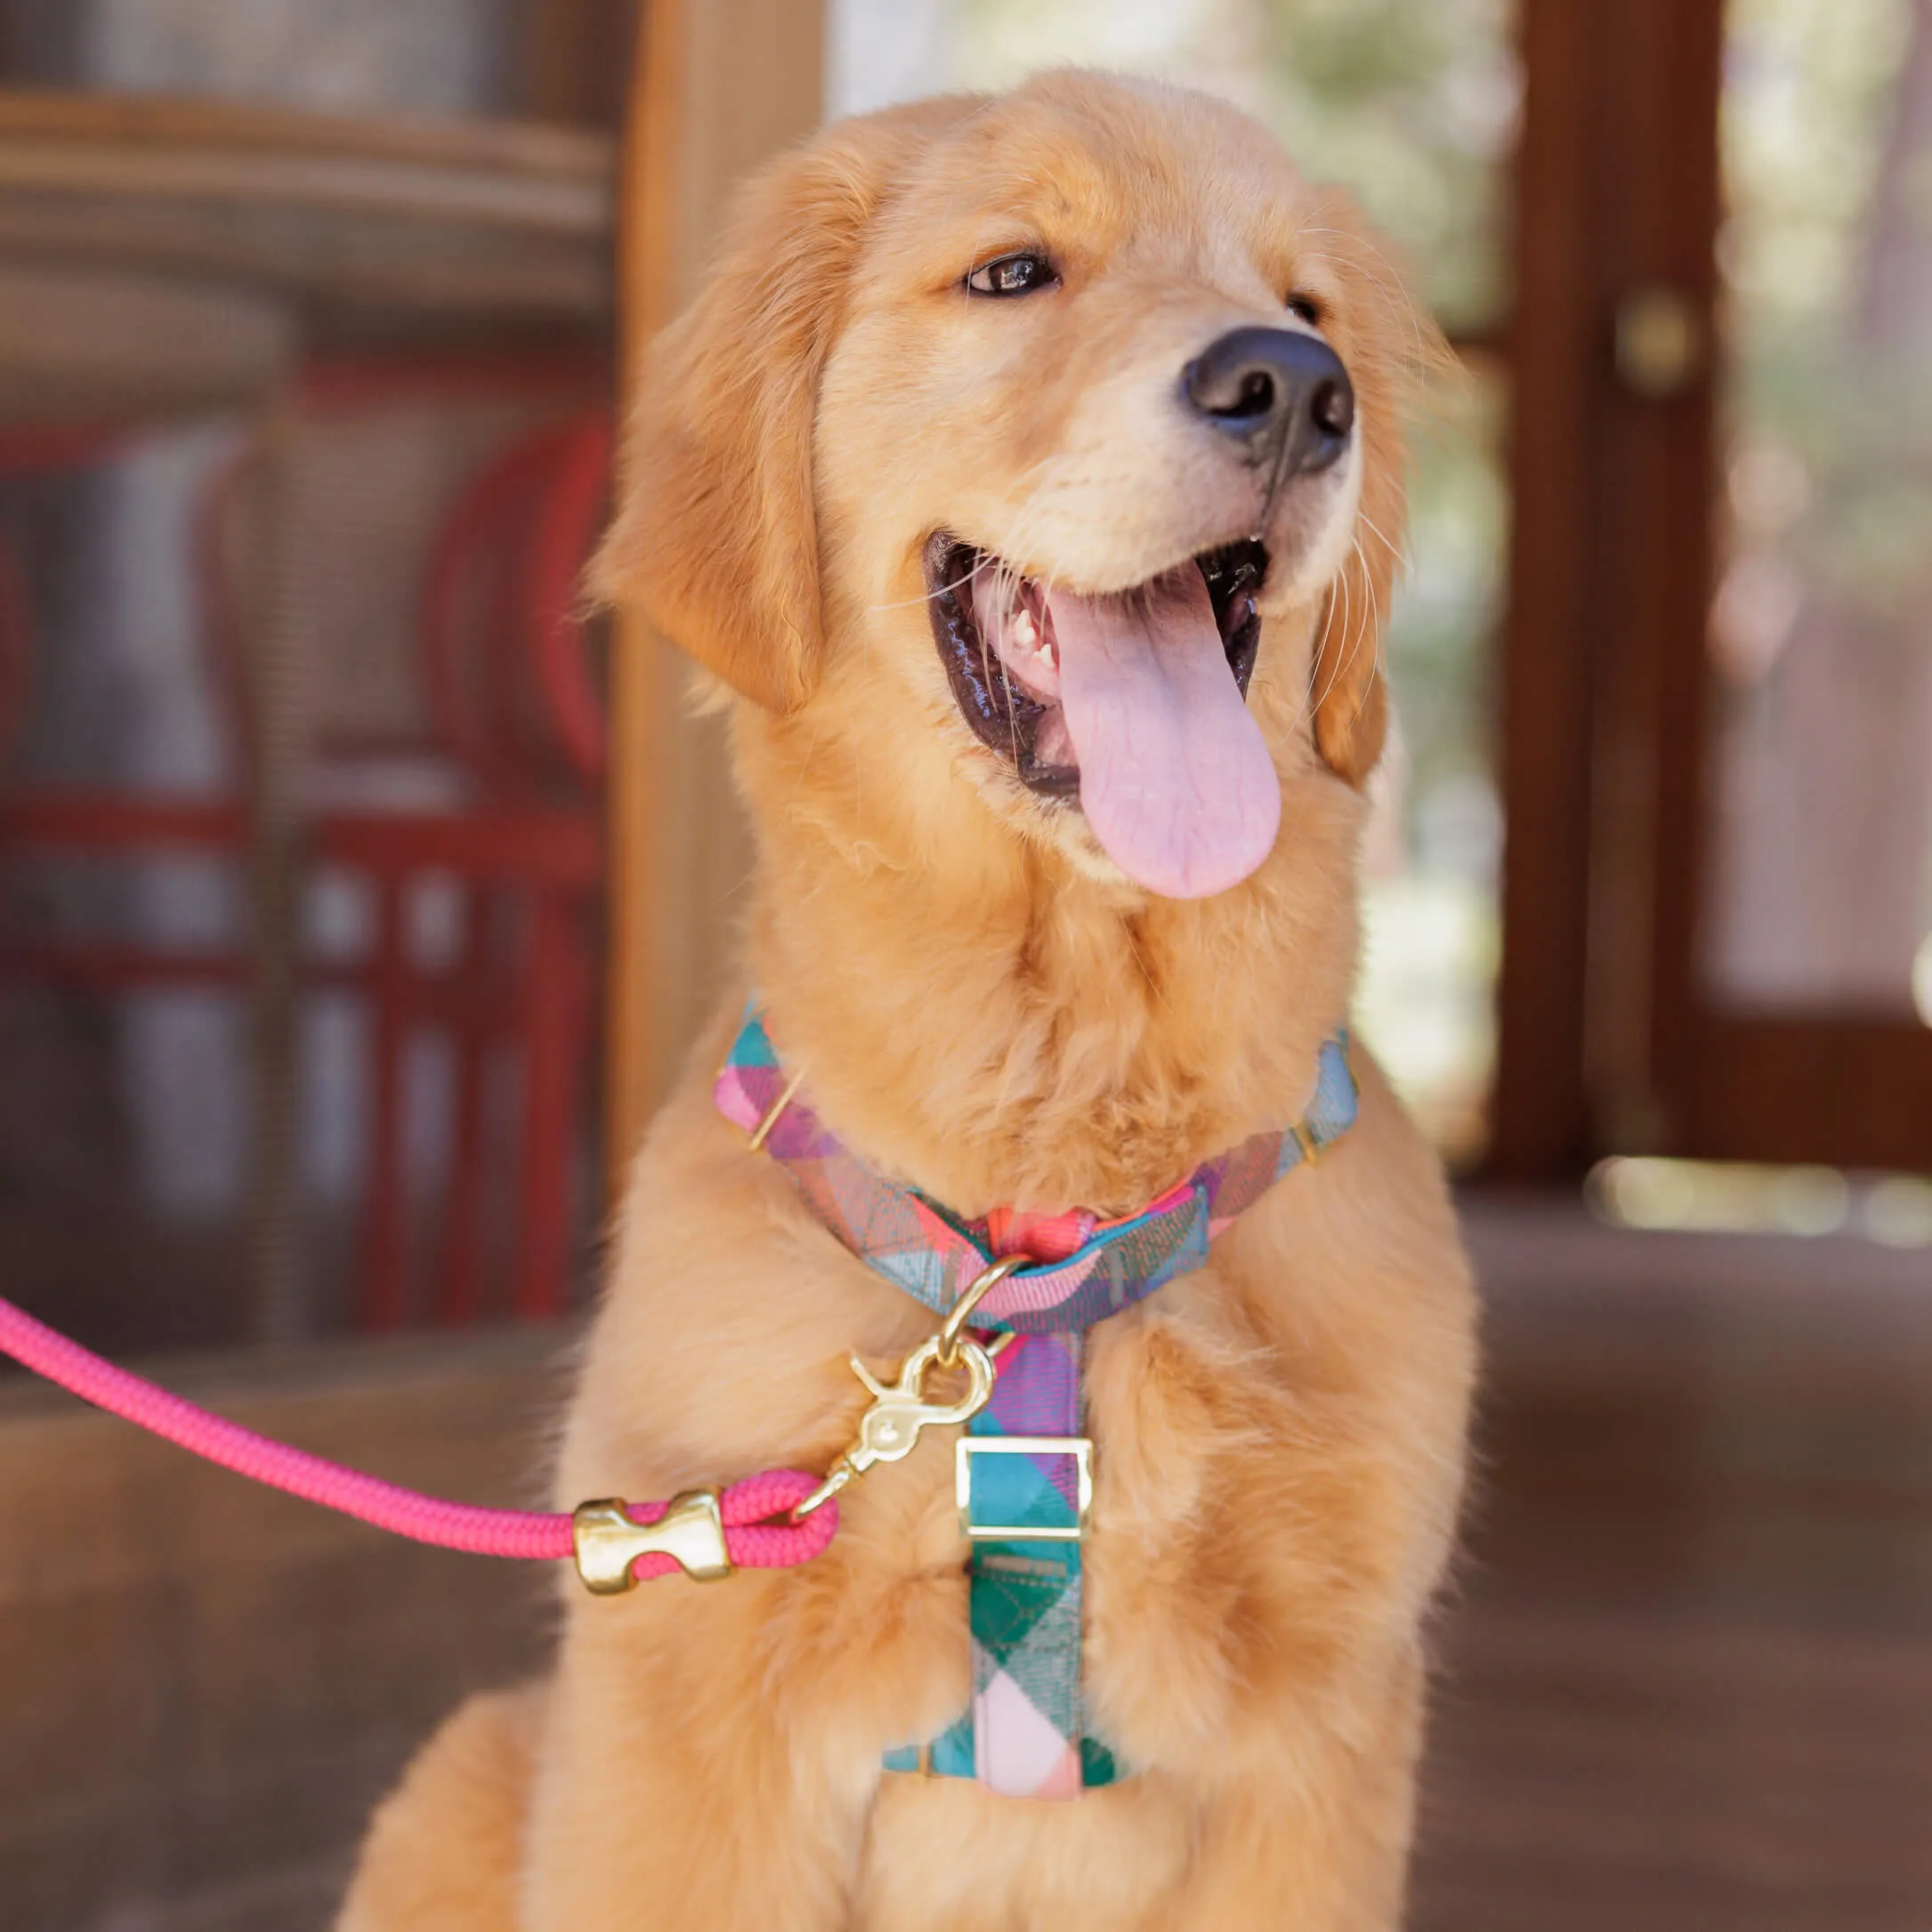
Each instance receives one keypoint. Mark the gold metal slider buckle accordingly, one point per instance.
(1079, 1447)
(609, 1541)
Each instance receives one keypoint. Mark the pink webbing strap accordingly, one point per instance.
(754, 1541)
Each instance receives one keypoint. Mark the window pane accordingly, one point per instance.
(1821, 643)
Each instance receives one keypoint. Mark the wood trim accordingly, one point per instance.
(1609, 1039)
(647, 260)
(1847, 1090)
(332, 181)
(1542, 1128)
(498, 219)
(1617, 190)
(645, 269)
(720, 86)
(1660, 74)
(576, 57)
(159, 126)
(1673, 492)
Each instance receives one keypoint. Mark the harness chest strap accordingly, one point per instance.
(1024, 1484)
(1024, 1469)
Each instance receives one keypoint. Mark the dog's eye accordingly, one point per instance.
(1307, 308)
(1017, 274)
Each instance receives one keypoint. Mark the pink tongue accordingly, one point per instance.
(1175, 779)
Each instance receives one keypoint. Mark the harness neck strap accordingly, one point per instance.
(1024, 1468)
(1090, 1268)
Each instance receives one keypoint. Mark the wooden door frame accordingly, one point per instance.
(1541, 1113)
(1617, 193)
(718, 86)
(1609, 1041)
(1850, 1089)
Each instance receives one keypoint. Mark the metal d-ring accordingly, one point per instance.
(954, 1325)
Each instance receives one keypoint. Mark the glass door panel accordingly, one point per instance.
(1818, 897)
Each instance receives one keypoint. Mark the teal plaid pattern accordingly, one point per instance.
(1025, 1733)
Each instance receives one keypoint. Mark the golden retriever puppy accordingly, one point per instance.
(1028, 479)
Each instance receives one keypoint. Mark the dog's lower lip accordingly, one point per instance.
(1006, 718)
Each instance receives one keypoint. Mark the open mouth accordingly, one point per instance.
(1133, 703)
(999, 644)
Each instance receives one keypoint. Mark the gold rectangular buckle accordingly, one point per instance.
(1079, 1447)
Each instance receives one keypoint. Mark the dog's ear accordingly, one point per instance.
(715, 537)
(1394, 350)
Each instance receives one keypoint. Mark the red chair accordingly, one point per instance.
(532, 991)
(521, 705)
(514, 716)
(521, 843)
(504, 692)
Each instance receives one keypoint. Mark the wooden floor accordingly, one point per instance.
(1688, 1681)
(205, 1685)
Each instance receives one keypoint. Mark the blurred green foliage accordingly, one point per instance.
(1441, 643)
(1413, 104)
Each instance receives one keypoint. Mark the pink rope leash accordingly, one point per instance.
(752, 1539)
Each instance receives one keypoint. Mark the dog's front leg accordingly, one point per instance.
(714, 1750)
(674, 1789)
(1289, 1515)
(1324, 1849)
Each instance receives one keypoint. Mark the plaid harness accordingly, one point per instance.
(1024, 1469)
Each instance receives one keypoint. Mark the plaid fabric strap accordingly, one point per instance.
(1025, 1733)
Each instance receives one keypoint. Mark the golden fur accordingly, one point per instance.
(988, 1009)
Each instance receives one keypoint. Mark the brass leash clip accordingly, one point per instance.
(890, 1427)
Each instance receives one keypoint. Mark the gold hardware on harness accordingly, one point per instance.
(955, 1323)
(765, 1127)
(609, 1541)
(1078, 1447)
(889, 1428)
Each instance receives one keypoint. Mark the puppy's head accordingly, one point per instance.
(1047, 446)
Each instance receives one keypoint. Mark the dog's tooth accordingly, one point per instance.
(1026, 631)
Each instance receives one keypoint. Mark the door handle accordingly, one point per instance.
(1663, 342)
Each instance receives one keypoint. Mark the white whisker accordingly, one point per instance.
(1388, 544)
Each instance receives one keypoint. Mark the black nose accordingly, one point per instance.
(1283, 394)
